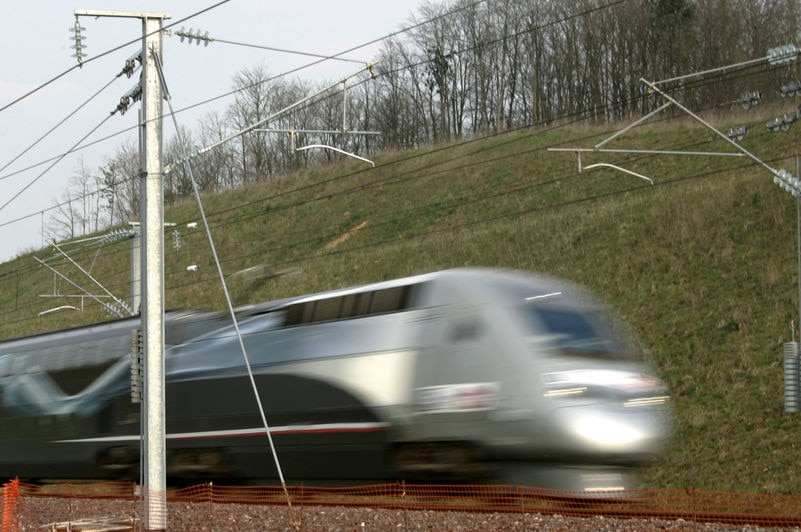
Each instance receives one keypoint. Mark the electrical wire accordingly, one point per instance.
(59, 159)
(228, 301)
(240, 208)
(107, 52)
(459, 227)
(167, 27)
(295, 52)
(334, 56)
(70, 115)
(74, 148)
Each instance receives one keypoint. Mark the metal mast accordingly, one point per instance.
(152, 217)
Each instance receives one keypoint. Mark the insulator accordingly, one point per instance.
(775, 124)
(790, 89)
(116, 234)
(128, 69)
(788, 182)
(194, 35)
(123, 105)
(782, 54)
(76, 29)
(737, 133)
(134, 94)
(130, 64)
(137, 94)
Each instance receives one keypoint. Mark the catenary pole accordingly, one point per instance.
(152, 256)
(153, 279)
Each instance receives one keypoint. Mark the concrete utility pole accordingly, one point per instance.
(152, 216)
(153, 278)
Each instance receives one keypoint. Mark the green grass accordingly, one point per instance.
(703, 264)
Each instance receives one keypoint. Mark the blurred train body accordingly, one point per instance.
(460, 375)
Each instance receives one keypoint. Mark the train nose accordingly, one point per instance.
(621, 414)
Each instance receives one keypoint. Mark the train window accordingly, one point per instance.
(350, 306)
(182, 330)
(327, 309)
(307, 314)
(569, 330)
(356, 304)
(293, 315)
(390, 299)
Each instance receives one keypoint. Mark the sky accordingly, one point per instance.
(37, 130)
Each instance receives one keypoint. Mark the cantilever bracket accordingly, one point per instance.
(598, 149)
(607, 165)
(775, 56)
(325, 146)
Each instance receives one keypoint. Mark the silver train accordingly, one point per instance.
(462, 375)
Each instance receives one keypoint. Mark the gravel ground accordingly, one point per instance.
(40, 513)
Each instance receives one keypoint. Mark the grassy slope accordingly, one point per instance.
(703, 264)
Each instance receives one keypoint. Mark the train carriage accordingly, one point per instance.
(470, 374)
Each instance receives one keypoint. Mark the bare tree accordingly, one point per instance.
(250, 107)
(468, 68)
(217, 167)
(80, 209)
(178, 182)
(119, 177)
(282, 95)
(400, 113)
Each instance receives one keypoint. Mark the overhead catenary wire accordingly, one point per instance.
(455, 228)
(205, 37)
(255, 125)
(61, 122)
(59, 159)
(514, 191)
(661, 119)
(419, 174)
(333, 56)
(20, 316)
(61, 156)
(107, 52)
(491, 220)
(79, 146)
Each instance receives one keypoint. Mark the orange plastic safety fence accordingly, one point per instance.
(11, 502)
(399, 506)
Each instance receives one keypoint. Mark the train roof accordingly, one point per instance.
(489, 277)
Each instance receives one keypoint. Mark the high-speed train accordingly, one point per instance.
(469, 374)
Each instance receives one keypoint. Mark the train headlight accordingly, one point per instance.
(606, 431)
(638, 389)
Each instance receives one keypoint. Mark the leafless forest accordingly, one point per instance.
(463, 68)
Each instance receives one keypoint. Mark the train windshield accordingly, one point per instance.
(573, 331)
